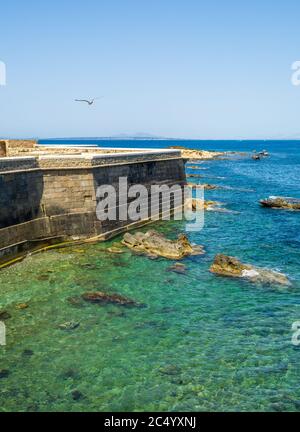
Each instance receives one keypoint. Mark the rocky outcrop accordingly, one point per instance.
(198, 204)
(196, 167)
(155, 244)
(281, 203)
(230, 266)
(194, 176)
(99, 297)
(192, 154)
(205, 186)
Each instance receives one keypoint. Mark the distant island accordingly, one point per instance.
(125, 137)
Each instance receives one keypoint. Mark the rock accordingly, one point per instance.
(194, 204)
(192, 154)
(152, 256)
(196, 167)
(178, 268)
(88, 266)
(199, 204)
(156, 244)
(70, 374)
(43, 277)
(281, 203)
(205, 186)
(76, 395)
(230, 266)
(27, 353)
(117, 314)
(198, 250)
(194, 175)
(76, 301)
(4, 373)
(99, 297)
(4, 315)
(208, 186)
(195, 185)
(22, 306)
(69, 325)
(170, 370)
(115, 250)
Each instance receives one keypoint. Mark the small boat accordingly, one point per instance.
(264, 153)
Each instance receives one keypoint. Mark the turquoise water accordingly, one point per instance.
(203, 343)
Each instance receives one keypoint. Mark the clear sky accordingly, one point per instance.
(177, 68)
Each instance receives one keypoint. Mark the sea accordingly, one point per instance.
(202, 343)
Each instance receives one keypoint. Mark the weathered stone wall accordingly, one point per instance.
(3, 148)
(57, 197)
(20, 197)
(21, 143)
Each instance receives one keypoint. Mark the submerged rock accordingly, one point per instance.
(281, 203)
(155, 244)
(100, 297)
(170, 370)
(70, 374)
(115, 250)
(230, 266)
(27, 353)
(43, 277)
(76, 301)
(69, 325)
(4, 315)
(22, 306)
(88, 266)
(4, 373)
(76, 395)
(178, 268)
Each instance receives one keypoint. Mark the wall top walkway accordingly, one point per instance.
(89, 160)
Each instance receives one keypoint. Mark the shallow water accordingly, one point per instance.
(202, 343)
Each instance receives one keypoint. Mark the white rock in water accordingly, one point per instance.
(250, 273)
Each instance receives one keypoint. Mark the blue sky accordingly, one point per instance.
(190, 68)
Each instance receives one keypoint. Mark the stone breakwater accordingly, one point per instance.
(49, 198)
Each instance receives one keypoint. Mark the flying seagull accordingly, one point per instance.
(90, 102)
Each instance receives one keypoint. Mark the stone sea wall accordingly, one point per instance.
(55, 196)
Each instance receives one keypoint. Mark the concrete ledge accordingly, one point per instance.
(13, 164)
